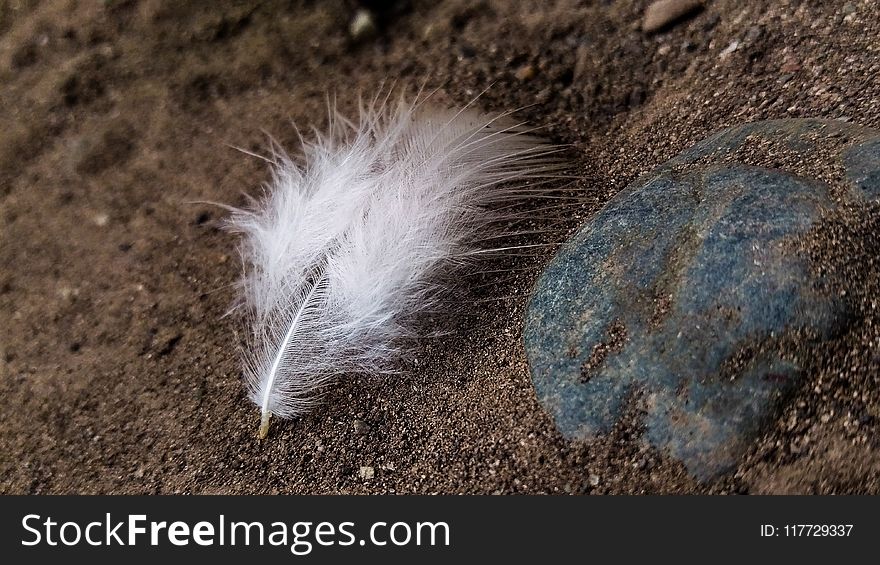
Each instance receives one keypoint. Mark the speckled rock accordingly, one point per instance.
(684, 291)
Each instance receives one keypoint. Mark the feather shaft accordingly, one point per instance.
(266, 414)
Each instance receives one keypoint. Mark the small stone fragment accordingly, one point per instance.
(366, 472)
(790, 66)
(733, 46)
(663, 13)
(525, 73)
(101, 219)
(363, 25)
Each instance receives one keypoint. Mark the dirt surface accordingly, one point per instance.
(118, 373)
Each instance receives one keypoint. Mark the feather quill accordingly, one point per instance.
(353, 241)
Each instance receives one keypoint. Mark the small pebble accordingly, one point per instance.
(67, 292)
(363, 25)
(734, 45)
(525, 72)
(663, 13)
(366, 472)
(360, 427)
(790, 66)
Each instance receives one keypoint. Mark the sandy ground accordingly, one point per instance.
(118, 373)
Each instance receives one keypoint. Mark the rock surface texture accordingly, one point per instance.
(689, 297)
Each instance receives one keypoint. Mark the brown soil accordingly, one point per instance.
(118, 373)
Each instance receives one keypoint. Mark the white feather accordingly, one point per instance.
(348, 247)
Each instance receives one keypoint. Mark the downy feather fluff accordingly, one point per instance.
(351, 242)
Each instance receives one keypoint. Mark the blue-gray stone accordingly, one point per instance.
(683, 291)
(862, 164)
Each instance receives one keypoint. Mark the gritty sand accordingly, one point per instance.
(118, 371)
